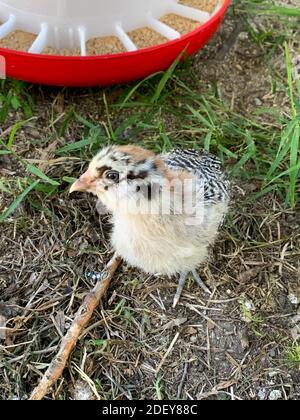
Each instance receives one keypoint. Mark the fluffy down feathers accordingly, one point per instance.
(131, 181)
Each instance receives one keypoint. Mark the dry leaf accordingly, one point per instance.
(174, 323)
(46, 154)
(221, 386)
(225, 385)
(61, 321)
(248, 275)
(243, 336)
(191, 331)
(210, 325)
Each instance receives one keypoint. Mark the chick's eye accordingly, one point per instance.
(113, 176)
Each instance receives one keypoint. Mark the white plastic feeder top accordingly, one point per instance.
(70, 23)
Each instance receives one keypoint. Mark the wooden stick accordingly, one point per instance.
(167, 353)
(69, 341)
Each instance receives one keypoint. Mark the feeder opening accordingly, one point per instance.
(98, 27)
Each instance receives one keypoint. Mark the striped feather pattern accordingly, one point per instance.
(206, 167)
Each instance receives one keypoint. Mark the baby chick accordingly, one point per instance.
(166, 209)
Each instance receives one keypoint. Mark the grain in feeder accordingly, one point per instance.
(75, 43)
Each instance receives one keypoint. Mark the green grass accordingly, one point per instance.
(288, 149)
(175, 109)
(293, 355)
(267, 8)
(159, 389)
(15, 204)
(15, 96)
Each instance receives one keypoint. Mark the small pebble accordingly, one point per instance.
(261, 394)
(258, 102)
(243, 36)
(94, 275)
(249, 305)
(272, 353)
(275, 395)
(293, 299)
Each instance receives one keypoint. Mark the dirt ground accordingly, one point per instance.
(232, 346)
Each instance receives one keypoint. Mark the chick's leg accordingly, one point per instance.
(181, 283)
(201, 282)
(179, 290)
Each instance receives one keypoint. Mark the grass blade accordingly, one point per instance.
(294, 156)
(17, 202)
(37, 172)
(165, 78)
(199, 117)
(136, 87)
(13, 133)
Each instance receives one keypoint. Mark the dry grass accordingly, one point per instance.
(121, 353)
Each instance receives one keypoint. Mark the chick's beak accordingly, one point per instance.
(84, 183)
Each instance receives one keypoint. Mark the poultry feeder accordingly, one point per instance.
(68, 25)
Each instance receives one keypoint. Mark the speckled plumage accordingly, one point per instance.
(167, 243)
(206, 167)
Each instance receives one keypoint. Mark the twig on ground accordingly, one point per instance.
(69, 341)
(167, 353)
(184, 375)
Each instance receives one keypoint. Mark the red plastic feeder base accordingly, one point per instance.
(111, 69)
